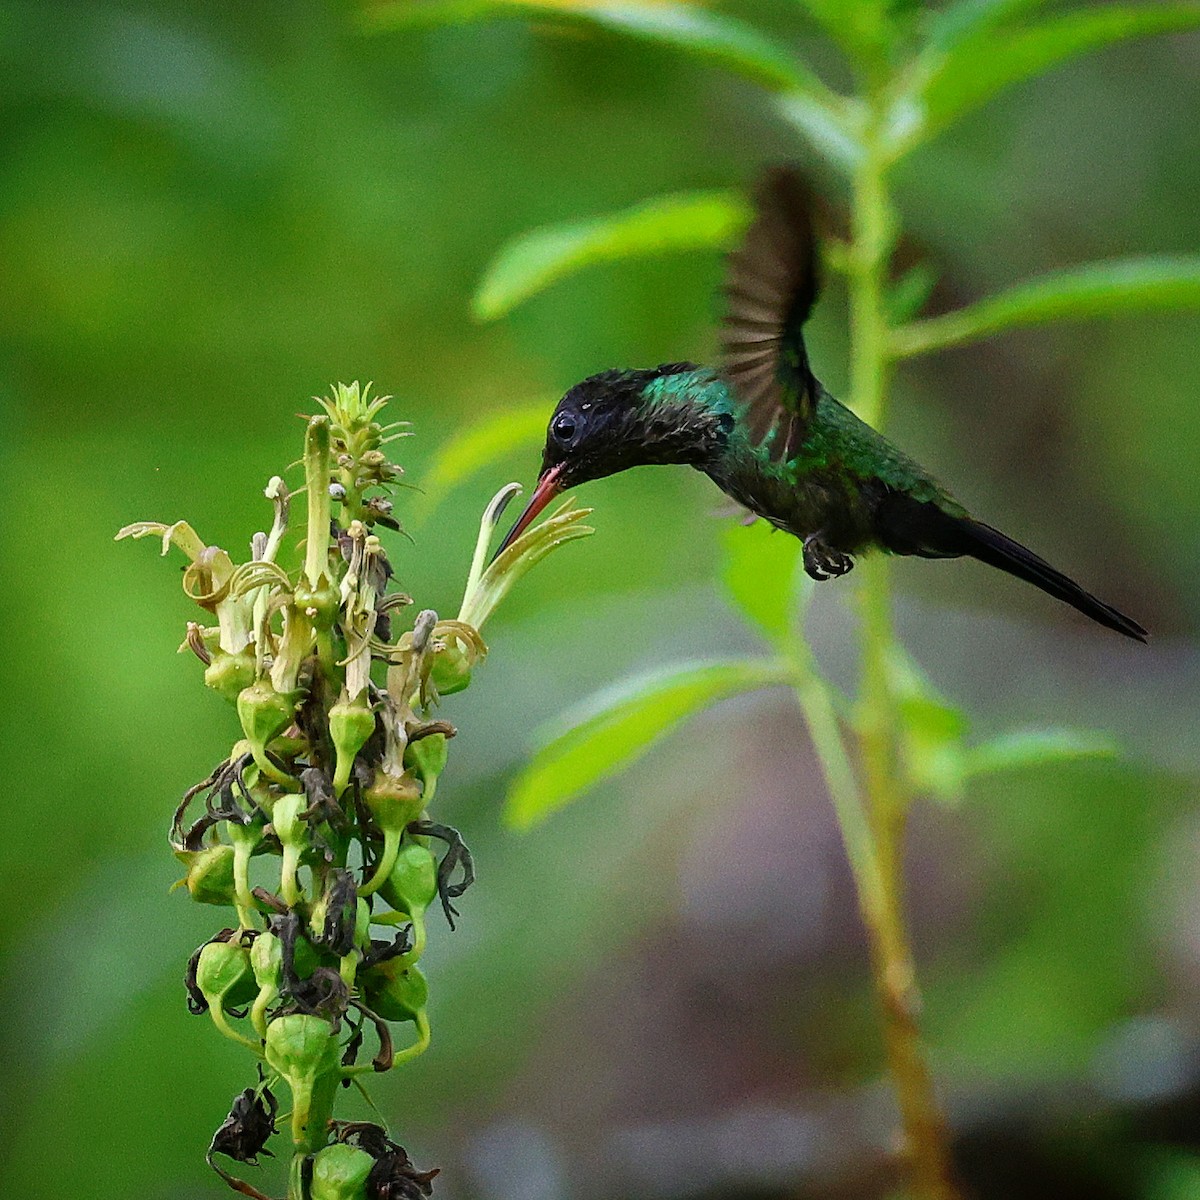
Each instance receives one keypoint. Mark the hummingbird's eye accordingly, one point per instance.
(563, 428)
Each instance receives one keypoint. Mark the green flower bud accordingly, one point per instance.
(230, 674)
(340, 1173)
(209, 876)
(427, 756)
(394, 990)
(412, 884)
(224, 975)
(351, 723)
(264, 714)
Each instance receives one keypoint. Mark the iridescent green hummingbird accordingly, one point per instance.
(766, 432)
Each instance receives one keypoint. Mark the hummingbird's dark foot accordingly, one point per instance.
(822, 561)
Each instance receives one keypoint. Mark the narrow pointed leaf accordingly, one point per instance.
(618, 726)
(932, 731)
(479, 445)
(1037, 747)
(971, 18)
(1101, 289)
(719, 40)
(981, 66)
(540, 257)
(864, 30)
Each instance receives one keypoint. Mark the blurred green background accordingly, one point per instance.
(208, 212)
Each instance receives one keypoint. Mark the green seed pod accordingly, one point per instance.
(340, 1173)
(394, 991)
(264, 714)
(209, 876)
(304, 1050)
(394, 800)
(300, 1045)
(427, 756)
(266, 960)
(224, 975)
(351, 723)
(285, 819)
(412, 885)
(320, 604)
(450, 671)
(362, 926)
(229, 674)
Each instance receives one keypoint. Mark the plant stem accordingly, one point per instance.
(881, 890)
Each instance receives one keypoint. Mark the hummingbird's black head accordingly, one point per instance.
(620, 419)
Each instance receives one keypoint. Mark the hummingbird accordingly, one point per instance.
(763, 428)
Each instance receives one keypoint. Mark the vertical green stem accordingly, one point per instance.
(881, 893)
(317, 465)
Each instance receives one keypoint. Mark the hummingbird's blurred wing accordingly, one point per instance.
(770, 288)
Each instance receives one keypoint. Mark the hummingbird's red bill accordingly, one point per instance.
(548, 486)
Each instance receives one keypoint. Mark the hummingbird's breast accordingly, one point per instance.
(821, 501)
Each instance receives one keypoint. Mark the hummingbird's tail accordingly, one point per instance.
(998, 550)
(925, 529)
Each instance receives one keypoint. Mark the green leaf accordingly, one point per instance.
(972, 18)
(540, 257)
(482, 444)
(618, 726)
(760, 575)
(971, 72)
(932, 731)
(1097, 290)
(719, 40)
(1038, 747)
(864, 30)
(907, 296)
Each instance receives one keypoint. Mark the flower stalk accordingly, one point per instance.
(336, 763)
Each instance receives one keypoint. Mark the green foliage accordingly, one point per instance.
(971, 18)
(534, 260)
(952, 82)
(718, 40)
(1099, 289)
(479, 445)
(615, 728)
(761, 574)
(1037, 747)
(933, 739)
